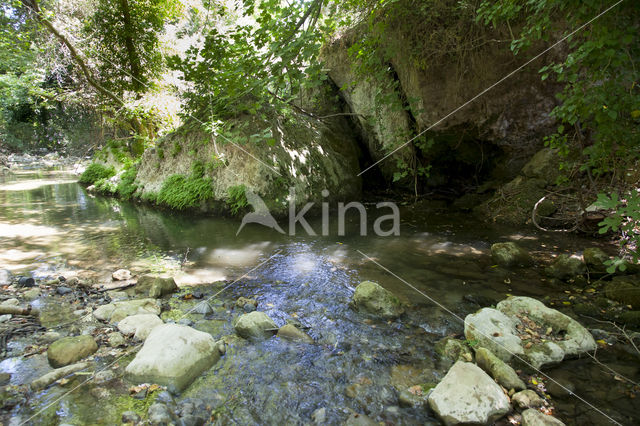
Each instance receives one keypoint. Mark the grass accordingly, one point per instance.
(237, 198)
(126, 187)
(181, 192)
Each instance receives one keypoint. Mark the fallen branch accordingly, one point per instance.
(57, 374)
(19, 310)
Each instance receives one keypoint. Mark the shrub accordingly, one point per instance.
(105, 186)
(95, 172)
(182, 192)
(126, 186)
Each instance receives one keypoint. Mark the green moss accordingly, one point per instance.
(177, 149)
(160, 152)
(140, 406)
(237, 198)
(126, 187)
(181, 192)
(95, 172)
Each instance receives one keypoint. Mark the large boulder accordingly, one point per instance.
(139, 326)
(566, 267)
(155, 285)
(499, 370)
(173, 356)
(510, 255)
(68, 350)
(524, 330)
(467, 395)
(255, 325)
(375, 299)
(116, 311)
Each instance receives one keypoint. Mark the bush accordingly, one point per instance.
(105, 186)
(95, 172)
(181, 192)
(126, 186)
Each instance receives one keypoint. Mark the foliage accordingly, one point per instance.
(599, 113)
(246, 67)
(127, 187)
(94, 172)
(134, 27)
(625, 219)
(182, 192)
(237, 198)
(105, 186)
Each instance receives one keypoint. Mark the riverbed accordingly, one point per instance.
(439, 266)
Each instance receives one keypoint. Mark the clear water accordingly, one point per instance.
(49, 225)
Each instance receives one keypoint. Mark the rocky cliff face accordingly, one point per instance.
(491, 137)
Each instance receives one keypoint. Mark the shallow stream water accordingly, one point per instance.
(50, 226)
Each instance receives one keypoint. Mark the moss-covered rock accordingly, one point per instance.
(68, 350)
(566, 267)
(630, 318)
(373, 298)
(624, 289)
(155, 285)
(594, 258)
(510, 255)
(498, 369)
(255, 325)
(451, 350)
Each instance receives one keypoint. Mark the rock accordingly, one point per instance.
(532, 417)
(11, 302)
(254, 325)
(155, 286)
(527, 399)
(130, 417)
(249, 308)
(543, 165)
(356, 419)
(5, 277)
(104, 376)
(51, 336)
(159, 414)
(5, 318)
(242, 301)
(31, 294)
(499, 370)
(203, 308)
(139, 326)
(70, 349)
(121, 275)
(407, 398)
(451, 349)
(62, 290)
(594, 258)
(468, 395)
(510, 255)
(5, 378)
(566, 267)
(116, 311)
(185, 321)
(624, 289)
(630, 318)
(117, 295)
(560, 385)
(495, 329)
(293, 333)
(319, 416)
(26, 282)
(373, 298)
(173, 356)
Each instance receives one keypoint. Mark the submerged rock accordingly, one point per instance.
(68, 350)
(155, 286)
(624, 289)
(594, 258)
(468, 395)
(117, 311)
(532, 417)
(254, 325)
(173, 356)
(499, 370)
(375, 299)
(139, 326)
(293, 333)
(510, 255)
(566, 267)
(504, 332)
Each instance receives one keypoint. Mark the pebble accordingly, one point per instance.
(319, 416)
(116, 339)
(248, 307)
(62, 290)
(130, 417)
(197, 295)
(104, 376)
(203, 308)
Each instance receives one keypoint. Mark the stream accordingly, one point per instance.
(50, 226)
